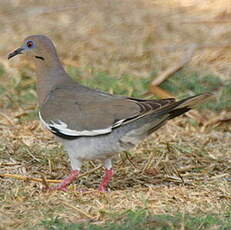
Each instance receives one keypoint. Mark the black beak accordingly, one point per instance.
(16, 52)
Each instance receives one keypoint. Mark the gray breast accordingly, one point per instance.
(105, 146)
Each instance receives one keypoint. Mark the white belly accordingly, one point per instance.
(87, 148)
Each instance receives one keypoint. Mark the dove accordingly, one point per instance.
(91, 124)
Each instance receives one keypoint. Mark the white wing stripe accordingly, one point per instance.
(62, 128)
(118, 123)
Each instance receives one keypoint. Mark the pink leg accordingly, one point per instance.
(68, 180)
(106, 179)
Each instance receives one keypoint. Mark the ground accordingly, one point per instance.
(180, 177)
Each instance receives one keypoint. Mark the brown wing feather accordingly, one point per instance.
(81, 108)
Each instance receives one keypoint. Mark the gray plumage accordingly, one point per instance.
(92, 124)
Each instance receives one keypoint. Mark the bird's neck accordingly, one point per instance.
(49, 75)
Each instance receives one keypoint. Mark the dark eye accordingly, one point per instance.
(29, 44)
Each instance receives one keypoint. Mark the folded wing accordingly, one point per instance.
(71, 113)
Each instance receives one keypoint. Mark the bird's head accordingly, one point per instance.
(37, 47)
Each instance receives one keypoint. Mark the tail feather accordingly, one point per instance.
(194, 101)
(183, 106)
(176, 109)
(177, 112)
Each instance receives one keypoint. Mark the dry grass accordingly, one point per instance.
(178, 170)
(183, 168)
(133, 36)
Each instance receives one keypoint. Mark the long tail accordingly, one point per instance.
(177, 108)
(186, 104)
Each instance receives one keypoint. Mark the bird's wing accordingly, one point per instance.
(73, 112)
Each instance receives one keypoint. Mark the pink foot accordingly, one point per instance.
(68, 180)
(106, 179)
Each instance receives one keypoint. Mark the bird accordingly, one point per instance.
(91, 124)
